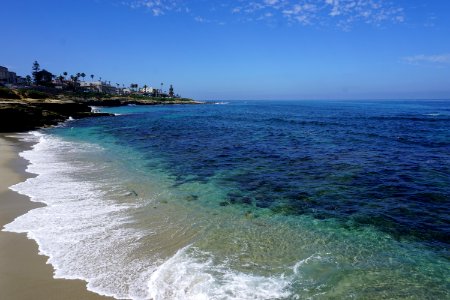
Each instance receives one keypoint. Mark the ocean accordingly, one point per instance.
(247, 200)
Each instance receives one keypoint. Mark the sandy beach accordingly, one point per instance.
(23, 273)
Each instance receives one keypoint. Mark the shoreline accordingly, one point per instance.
(24, 273)
(22, 115)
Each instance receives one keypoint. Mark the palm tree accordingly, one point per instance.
(83, 75)
(92, 77)
(65, 74)
(145, 88)
(74, 81)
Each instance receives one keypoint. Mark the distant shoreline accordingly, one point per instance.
(23, 111)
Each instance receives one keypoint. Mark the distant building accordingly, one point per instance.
(99, 87)
(12, 77)
(3, 73)
(21, 81)
(6, 76)
(60, 83)
(146, 90)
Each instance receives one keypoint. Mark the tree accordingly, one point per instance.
(65, 74)
(44, 78)
(134, 86)
(83, 75)
(145, 88)
(35, 68)
(74, 82)
(171, 91)
(28, 79)
(92, 77)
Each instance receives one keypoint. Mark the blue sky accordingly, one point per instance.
(261, 49)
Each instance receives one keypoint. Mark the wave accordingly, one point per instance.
(193, 275)
(83, 233)
(90, 236)
(95, 109)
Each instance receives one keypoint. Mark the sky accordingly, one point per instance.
(235, 49)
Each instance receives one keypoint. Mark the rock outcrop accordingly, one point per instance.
(27, 115)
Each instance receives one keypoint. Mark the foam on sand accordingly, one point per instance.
(80, 230)
(190, 274)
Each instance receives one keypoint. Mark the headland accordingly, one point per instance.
(23, 110)
(44, 99)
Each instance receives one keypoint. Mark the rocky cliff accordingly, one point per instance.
(27, 115)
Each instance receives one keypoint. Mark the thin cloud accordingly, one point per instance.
(440, 59)
(343, 13)
(158, 7)
(340, 13)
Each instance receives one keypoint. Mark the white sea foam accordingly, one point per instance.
(83, 233)
(95, 109)
(190, 276)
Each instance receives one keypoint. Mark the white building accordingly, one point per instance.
(98, 86)
(148, 90)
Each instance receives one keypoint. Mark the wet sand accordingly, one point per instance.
(23, 273)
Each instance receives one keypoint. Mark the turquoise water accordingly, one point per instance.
(249, 200)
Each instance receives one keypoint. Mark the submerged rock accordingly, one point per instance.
(191, 198)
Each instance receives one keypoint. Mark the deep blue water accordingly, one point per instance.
(381, 163)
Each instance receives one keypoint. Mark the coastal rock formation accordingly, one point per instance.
(28, 115)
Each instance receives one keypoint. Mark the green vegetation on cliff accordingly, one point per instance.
(6, 93)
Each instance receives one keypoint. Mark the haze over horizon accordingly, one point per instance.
(262, 49)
